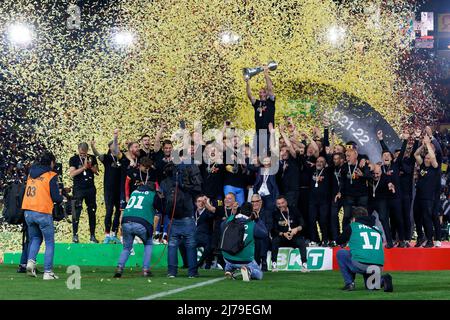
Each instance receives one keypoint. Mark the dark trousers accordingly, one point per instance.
(334, 230)
(424, 217)
(112, 205)
(319, 210)
(396, 216)
(204, 240)
(435, 217)
(295, 242)
(406, 214)
(303, 208)
(261, 248)
(89, 197)
(292, 198)
(25, 244)
(381, 206)
(350, 202)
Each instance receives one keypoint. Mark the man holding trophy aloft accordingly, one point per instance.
(264, 106)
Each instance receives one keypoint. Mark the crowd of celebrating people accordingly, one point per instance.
(299, 191)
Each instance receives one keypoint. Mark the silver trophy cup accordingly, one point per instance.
(251, 72)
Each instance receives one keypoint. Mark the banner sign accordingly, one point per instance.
(289, 259)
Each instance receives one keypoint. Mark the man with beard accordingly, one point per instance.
(336, 204)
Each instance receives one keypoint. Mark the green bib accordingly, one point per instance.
(366, 244)
(248, 253)
(140, 205)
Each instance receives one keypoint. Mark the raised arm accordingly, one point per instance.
(431, 152)
(269, 84)
(95, 151)
(417, 155)
(288, 142)
(384, 147)
(157, 143)
(249, 91)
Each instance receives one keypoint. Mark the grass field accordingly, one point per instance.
(97, 283)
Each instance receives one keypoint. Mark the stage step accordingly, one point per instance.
(92, 254)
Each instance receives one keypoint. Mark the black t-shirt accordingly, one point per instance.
(380, 188)
(282, 221)
(288, 175)
(138, 177)
(113, 169)
(143, 154)
(406, 179)
(426, 182)
(264, 113)
(84, 180)
(212, 175)
(335, 180)
(353, 185)
(306, 166)
(320, 184)
(234, 173)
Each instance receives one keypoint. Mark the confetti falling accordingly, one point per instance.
(171, 64)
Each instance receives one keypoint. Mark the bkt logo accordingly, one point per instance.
(315, 258)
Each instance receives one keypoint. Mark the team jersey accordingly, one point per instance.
(140, 205)
(366, 244)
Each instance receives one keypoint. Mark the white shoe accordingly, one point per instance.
(50, 276)
(313, 244)
(437, 244)
(132, 253)
(274, 267)
(304, 268)
(31, 268)
(245, 274)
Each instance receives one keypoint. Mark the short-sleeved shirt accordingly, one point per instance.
(113, 171)
(426, 182)
(84, 180)
(264, 113)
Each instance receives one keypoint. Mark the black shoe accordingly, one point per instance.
(93, 239)
(325, 244)
(387, 282)
(389, 246)
(264, 266)
(22, 269)
(118, 273)
(402, 244)
(332, 244)
(194, 276)
(349, 287)
(147, 273)
(207, 266)
(419, 243)
(75, 239)
(429, 244)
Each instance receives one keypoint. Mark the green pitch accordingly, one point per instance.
(97, 283)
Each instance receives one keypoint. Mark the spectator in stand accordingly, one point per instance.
(83, 167)
(286, 227)
(111, 186)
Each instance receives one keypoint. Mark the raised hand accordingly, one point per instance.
(405, 135)
(380, 134)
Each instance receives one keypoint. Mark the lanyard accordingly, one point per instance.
(374, 187)
(82, 164)
(317, 178)
(197, 215)
(352, 173)
(384, 168)
(288, 220)
(337, 175)
(146, 176)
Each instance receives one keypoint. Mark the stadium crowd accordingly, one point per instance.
(306, 200)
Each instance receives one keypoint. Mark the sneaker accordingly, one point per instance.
(171, 276)
(22, 269)
(325, 244)
(194, 276)
(274, 267)
(107, 239)
(75, 239)
(118, 272)
(304, 267)
(389, 246)
(156, 237)
(349, 287)
(50, 276)
(114, 240)
(429, 244)
(407, 244)
(387, 282)
(147, 273)
(229, 275)
(207, 266)
(132, 253)
(437, 244)
(312, 244)
(93, 239)
(245, 274)
(31, 268)
(419, 243)
(165, 239)
(402, 244)
(333, 244)
(264, 266)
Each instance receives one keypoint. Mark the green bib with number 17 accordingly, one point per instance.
(366, 244)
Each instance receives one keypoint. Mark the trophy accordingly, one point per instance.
(251, 72)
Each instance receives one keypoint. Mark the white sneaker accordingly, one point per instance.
(304, 268)
(274, 267)
(245, 274)
(31, 268)
(437, 244)
(132, 253)
(313, 244)
(50, 276)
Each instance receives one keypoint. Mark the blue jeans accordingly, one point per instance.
(129, 231)
(255, 271)
(238, 192)
(40, 226)
(182, 229)
(349, 268)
